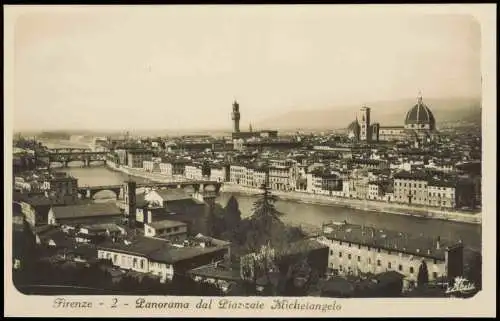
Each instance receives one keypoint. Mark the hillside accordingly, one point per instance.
(387, 113)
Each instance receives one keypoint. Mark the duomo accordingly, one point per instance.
(419, 125)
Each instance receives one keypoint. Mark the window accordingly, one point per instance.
(331, 252)
(359, 246)
(411, 269)
(359, 258)
(378, 250)
(400, 267)
(389, 265)
(435, 261)
(368, 248)
(340, 254)
(142, 264)
(389, 252)
(378, 263)
(369, 261)
(349, 244)
(434, 275)
(340, 267)
(340, 242)
(349, 256)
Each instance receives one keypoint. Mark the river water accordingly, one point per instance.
(311, 214)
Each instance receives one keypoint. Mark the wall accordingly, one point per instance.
(369, 257)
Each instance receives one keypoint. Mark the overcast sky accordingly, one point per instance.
(181, 67)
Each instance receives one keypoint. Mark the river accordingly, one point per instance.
(311, 214)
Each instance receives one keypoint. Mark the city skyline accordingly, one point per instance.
(95, 63)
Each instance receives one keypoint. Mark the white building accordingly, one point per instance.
(193, 172)
(218, 174)
(356, 249)
(161, 257)
(173, 230)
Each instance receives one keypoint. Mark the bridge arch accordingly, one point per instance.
(75, 163)
(114, 191)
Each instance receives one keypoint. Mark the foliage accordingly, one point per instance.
(423, 274)
(473, 271)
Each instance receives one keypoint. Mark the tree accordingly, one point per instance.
(474, 270)
(265, 228)
(215, 221)
(232, 215)
(232, 221)
(423, 274)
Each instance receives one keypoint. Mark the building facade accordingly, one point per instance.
(357, 250)
(135, 158)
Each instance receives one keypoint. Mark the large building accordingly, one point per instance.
(237, 134)
(161, 257)
(358, 250)
(419, 124)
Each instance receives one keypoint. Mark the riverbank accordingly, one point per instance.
(372, 206)
(307, 198)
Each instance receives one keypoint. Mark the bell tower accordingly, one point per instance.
(364, 123)
(235, 116)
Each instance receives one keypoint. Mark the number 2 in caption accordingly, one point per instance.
(115, 301)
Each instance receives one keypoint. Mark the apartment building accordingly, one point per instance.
(324, 183)
(135, 158)
(160, 257)
(356, 250)
(194, 172)
(173, 167)
(218, 173)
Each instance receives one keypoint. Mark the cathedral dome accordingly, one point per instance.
(420, 117)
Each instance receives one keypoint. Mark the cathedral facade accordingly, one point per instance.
(419, 125)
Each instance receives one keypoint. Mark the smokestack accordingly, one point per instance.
(438, 243)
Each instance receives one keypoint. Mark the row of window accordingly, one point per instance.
(349, 255)
(419, 185)
(349, 244)
(409, 184)
(400, 268)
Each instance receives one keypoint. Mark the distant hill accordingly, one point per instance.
(387, 113)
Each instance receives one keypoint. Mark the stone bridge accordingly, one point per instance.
(198, 186)
(65, 156)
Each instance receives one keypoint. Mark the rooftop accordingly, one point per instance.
(217, 271)
(160, 250)
(166, 224)
(417, 245)
(86, 210)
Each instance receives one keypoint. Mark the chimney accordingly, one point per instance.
(438, 245)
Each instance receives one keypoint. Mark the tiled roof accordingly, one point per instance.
(421, 246)
(217, 272)
(158, 250)
(86, 210)
(411, 176)
(166, 224)
(303, 246)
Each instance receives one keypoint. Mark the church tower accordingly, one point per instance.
(364, 122)
(235, 116)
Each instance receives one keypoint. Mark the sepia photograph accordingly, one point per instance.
(303, 155)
